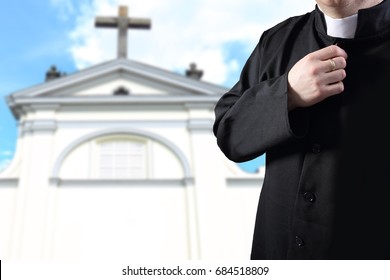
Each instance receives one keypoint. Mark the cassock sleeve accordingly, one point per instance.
(253, 116)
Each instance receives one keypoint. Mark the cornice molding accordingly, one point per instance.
(161, 183)
(122, 66)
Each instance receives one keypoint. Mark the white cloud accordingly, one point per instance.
(182, 31)
(66, 8)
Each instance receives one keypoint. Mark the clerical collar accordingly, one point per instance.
(370, 22)
(341, 27)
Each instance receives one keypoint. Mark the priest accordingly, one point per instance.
(314, 97)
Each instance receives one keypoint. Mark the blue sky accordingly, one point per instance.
(218, 35)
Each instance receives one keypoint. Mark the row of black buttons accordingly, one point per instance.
(308, 196)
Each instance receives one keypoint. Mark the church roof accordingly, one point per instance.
(63, 90)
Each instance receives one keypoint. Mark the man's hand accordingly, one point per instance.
(316, 77)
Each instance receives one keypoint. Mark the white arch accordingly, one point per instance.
(162, 140)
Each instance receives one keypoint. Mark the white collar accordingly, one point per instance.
(341, 27)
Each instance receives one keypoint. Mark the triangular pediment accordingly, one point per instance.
(121, 74)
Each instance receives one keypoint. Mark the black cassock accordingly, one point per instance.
(326, 192)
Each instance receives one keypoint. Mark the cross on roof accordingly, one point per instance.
(122, 22)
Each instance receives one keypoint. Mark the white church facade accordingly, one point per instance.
(119, 160)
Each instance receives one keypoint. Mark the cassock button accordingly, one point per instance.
(299, 241)
(309, 197)
(316, 148)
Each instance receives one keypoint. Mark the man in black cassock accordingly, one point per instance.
(315, 97)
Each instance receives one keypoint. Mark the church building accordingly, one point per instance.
(119, 160)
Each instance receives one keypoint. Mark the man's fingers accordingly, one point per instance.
(330, 52)
(334, 77)
(317, 76)
(334, 89)
(333, 64)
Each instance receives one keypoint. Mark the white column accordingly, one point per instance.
(192, 220)
(208, 179)
(32, 198)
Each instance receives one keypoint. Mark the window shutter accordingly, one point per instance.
(122, 159)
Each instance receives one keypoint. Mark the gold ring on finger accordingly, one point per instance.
(332, 64)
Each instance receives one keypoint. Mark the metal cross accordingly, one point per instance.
(123, 22)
